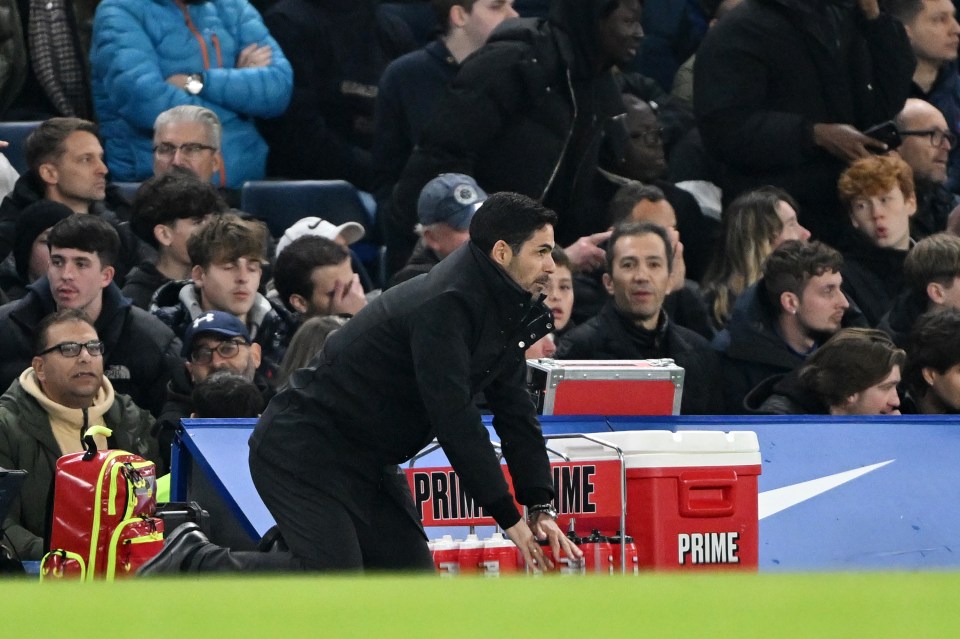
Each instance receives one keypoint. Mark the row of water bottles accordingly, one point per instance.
(497, 555)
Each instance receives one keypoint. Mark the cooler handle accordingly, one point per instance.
(707, 493)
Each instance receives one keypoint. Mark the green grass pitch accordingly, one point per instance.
(660, 605)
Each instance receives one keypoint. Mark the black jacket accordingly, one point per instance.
(608, 336)
(771, 69)
(404, 370)
(527, 113)
(338, 49)
(906, 309)
(784, 395)
(751, 348)
(934, 205)
(139, 351)
(872, 278)
(142, 282)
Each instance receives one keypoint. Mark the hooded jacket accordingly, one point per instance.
(872, 277)
(528, 113)
(139, 351)
(27, 442)
(138, 44)
(784, 395)
(771, 69)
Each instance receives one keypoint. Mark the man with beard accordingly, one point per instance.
(403, 371)
(633, 324)
(782, 319)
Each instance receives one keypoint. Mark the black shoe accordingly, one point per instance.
(178, 548)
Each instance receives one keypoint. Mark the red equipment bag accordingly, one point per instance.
(103, 507)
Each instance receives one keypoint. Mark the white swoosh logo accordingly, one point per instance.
(773, 501)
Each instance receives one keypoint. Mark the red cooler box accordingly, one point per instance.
(605, 387)
(691, 495)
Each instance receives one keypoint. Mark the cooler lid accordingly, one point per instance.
(664, 448)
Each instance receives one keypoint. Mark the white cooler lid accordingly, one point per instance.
(664, 448)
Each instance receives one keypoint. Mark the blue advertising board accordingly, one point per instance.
(835, 493)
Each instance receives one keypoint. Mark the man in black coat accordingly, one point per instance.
(633, 324)
(401, 372)
(784, 88)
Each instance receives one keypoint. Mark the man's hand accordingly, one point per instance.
(253, 55)
(678, 270)
(585, 254)
(541, 527)
(845, 142)
(348, 297)
(870, 8)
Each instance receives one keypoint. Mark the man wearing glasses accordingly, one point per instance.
(188, 137)
(140, 351)
(46, 411)
(926, 146)
(215, 341)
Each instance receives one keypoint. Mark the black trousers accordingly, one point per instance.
(323, 534)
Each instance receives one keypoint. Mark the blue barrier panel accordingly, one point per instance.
(835, 493)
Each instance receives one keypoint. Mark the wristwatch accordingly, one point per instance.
(545, 509)
(194, 84)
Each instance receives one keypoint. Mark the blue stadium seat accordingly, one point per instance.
(127, 189)
(16, 134)
(280, 203)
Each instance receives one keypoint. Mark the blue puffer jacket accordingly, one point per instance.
(137, 44)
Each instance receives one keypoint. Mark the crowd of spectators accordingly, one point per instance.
(808, 256)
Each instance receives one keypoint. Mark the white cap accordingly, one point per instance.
(351, 231)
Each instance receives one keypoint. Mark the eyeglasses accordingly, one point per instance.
(937, 136)
(226, 350)
(72, 349)
(189, 150)
(648, 137)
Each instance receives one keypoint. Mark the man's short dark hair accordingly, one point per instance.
(225, 395)
(86, 232)
(295, 264)
(851, 361)
(793, 264)
(639, 228)
(57, 317)
(441, 8)
(935, 258)
(227, 238)
(903, 10)
(510, 217)
(628, 196)
(934, 343)
(45, 143)
(174, 195)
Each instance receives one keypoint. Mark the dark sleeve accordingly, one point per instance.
(576, 344)
(392, 140)
(521, 438)
(893, 63)
(441, 333)
(731, 80)
(487, 93)
(26, 544)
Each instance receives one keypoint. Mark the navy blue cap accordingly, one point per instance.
(451, 198)
(217, 322)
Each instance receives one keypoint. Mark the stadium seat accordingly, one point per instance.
(281, 203)
(16, 134)
(127, 189)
